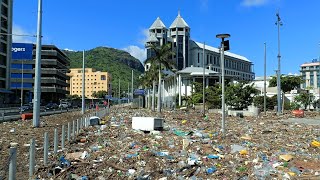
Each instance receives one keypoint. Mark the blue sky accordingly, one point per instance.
(122, 24)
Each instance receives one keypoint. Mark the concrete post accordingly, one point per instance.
(73, 129)
(13, 161)
(78, 126)
(55, 141)
(69, 129)
(45, 149)
(31, 158)
(63, 135)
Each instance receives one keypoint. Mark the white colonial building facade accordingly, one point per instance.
(190, 57)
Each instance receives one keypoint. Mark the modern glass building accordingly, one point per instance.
(54, 67)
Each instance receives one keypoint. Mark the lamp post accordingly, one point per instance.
(203, 79)
(83, 84)
(264, 83)
(37, 78)
(175, 88)
(21, 95)
(318, 79)
(222, 37)
(279, 23)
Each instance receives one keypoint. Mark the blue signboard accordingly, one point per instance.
(22, 51)
(139, 92)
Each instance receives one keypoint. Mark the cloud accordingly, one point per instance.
(251, 3)
(21, 35)
(145, 36)
(67, 49)
(137, 52)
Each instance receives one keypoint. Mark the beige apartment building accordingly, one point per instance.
(94, 81)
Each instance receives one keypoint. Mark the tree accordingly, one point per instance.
(288, 83)
(240, 95)
(149, 79)
(100, 94)
(73, 97)
(258, 101)
(213, 96)
(162, 58)
(196, 94)
(305, 98)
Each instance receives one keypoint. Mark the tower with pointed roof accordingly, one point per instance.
(180, 35)
(157, 35)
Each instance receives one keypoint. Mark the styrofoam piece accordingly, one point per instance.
(147, 123)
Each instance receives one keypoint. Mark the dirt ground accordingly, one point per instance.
(190, 147)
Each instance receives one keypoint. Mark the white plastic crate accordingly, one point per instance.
(147, 123)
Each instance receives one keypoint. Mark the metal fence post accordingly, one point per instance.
(73, 129)
(78, 126)
(63, 135)
(69, 129)
(31, 158)
(45, 149)
(55, 141)
(13, 161)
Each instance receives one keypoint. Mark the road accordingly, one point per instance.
(11, 116)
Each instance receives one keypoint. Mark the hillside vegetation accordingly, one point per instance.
(119, 63)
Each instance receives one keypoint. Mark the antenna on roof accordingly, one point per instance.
(179, 12)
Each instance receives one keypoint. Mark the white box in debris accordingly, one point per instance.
(147, 123)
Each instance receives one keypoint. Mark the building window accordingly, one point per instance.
(198, 57)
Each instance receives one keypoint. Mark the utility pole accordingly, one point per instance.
(222, 37)
(83, 84)
(265, 81)
(318, 80)
(37, 78)
(132, 84)
(128, 93)
(279, 23)
(119, 92)
(203, 79)
(21, 95)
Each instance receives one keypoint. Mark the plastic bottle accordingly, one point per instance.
(211, 170)
(64, 162)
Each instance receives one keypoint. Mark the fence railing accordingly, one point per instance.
(67, 134)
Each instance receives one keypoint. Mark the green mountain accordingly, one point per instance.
(119, 63)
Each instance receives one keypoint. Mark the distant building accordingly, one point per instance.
(5, 50)
(95, 81)
(189, 60)
(190, 53)
(54, 66)
(310, 74)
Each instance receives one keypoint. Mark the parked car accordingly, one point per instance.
(51, 106)
(26, 108)
(64, 105)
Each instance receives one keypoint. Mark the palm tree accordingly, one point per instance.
(149, 79)
(161, 58)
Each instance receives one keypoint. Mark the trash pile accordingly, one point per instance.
(189, 146)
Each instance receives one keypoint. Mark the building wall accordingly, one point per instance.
(5, 41)
(54, 66)
(237, 68)
(310, 75)
(94, 81)
(188, 53)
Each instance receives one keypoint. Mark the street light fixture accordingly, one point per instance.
(222, 37)
(279, 23)
(174, 70)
